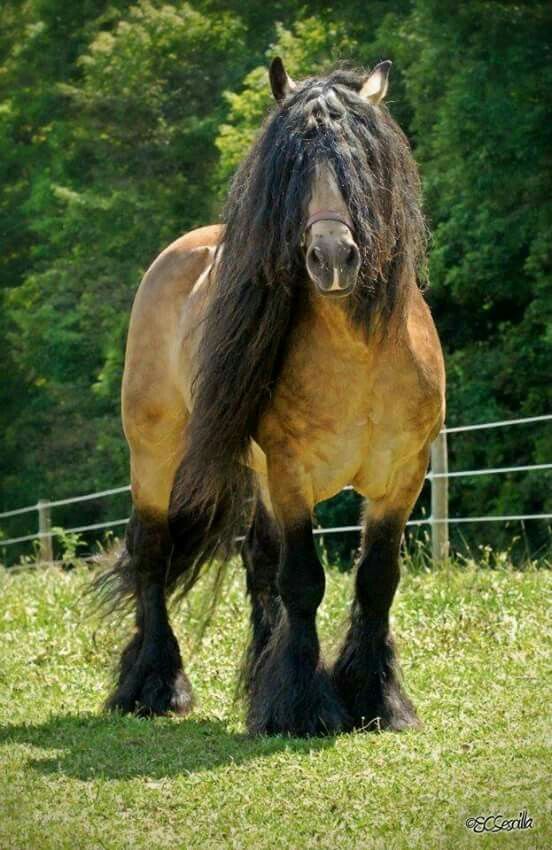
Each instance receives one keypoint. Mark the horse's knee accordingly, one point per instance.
(378, 572)
(301, 579)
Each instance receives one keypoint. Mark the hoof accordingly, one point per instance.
(150, 695)
(151, 679)
(377, 703)
(313, 710)
(396, 714)
(368, 680)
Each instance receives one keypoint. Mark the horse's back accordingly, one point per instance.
(208, 236)
(157, 374)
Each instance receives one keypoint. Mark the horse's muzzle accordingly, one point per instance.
(333, 265)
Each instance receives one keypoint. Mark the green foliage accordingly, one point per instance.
(123, 178)
(120, 126)
(478, 79)
(69, 542)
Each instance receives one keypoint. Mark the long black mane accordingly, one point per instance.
(261, 276)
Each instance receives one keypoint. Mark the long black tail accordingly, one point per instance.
(116, 589)
(207, 539)
(207, 532)
(201, 537)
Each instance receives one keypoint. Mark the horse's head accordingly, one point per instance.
(328, 197)
(332, 255)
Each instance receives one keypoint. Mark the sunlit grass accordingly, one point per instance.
(474, 646)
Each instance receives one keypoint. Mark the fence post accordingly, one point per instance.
(439, 500)
(45, 531)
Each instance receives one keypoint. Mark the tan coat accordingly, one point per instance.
(346, 410)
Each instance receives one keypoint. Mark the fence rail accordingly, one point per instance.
(438, 476)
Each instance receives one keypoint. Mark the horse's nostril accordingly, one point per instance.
(316, 256)
(351, 256)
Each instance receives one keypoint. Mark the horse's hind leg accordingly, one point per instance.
(151, 677)
(261, 556)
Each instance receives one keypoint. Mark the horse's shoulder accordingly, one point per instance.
(426, 355)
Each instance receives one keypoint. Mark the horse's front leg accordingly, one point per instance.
(289, 689)
(366, 673)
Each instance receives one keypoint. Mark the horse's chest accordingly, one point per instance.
(321, 425)
(352, 422)
(347, 411)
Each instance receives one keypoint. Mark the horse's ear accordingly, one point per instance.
(375, 85)
(280, 81)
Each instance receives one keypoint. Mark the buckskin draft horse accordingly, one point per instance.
(286, 354)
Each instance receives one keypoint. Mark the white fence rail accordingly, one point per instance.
(438, 476)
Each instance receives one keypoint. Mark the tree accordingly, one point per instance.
(477, 78)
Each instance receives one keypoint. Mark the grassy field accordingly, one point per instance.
(474, 647)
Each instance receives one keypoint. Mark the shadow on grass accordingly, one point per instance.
(92, 746)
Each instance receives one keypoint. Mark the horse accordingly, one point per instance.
(271, 361)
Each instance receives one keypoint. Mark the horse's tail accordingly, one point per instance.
(203, 535)
(115, 588)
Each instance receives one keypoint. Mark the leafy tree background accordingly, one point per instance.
(122, 123)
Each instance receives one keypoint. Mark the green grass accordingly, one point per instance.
(474, 651)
